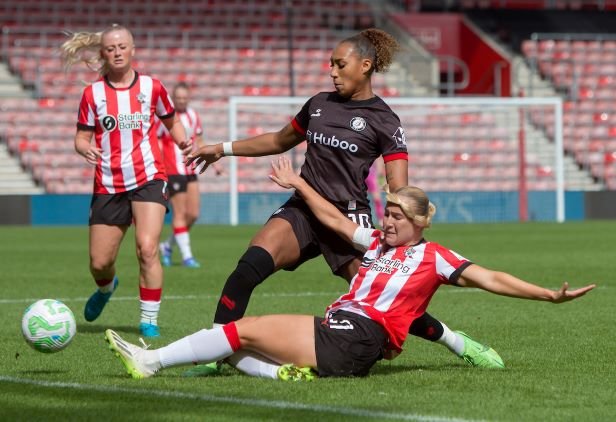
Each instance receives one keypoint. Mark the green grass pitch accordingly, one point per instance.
(560, 358)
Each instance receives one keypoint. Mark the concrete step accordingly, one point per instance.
(11, 89)
(15, 94)
(10, 85)
(9, 165)
(13, 179)
(21, 190)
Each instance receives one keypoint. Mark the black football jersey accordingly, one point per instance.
(344, 137)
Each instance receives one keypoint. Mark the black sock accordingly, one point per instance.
(427, 327)
(253, 267)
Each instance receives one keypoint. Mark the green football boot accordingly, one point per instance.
(290, 372)
(480, 355)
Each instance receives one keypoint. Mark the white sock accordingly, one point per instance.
(254, 364)
(203, 346)
(183, 241)
(170, 241)
(451, 340)
(149, 311)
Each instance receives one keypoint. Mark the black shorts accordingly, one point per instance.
(179, 183)
(115, 209)
(347, 344)
(315, 239)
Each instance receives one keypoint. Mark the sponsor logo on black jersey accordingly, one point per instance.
(400, 138)
(316, 113)
(358, 124)
(330, 141)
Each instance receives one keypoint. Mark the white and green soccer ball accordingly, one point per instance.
(48, 325)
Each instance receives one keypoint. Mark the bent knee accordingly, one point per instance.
(101, 264)
(147, 251)
(247, 329)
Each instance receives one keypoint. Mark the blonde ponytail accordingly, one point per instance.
(85, 47)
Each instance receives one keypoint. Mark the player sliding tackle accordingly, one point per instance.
(400, 272)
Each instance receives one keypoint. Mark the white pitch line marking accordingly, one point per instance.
(272, 404)
(333, 294)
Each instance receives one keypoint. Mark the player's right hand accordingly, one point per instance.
(203, 156)
(92, 155)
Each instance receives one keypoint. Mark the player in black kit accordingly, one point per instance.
(345, 130)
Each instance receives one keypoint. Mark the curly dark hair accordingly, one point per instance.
(376, 45)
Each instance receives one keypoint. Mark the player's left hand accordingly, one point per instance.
(283, 175)
(564, 294)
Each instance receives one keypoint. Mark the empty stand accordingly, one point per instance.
(584, 70)
(224, 48)
(220, 47)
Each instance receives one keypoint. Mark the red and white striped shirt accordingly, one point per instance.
(394, 285)
(123, 123)
(172, 154)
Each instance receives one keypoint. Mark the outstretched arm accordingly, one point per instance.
(266, 144)
(200, 142)
(327, 213)
(505, 284)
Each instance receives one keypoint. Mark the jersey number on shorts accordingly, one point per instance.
(362, 220)
(344, 324)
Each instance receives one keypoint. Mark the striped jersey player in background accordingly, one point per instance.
(183, 184)
(399, 274)
(130, 183)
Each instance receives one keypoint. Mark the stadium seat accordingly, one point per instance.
(222, 49)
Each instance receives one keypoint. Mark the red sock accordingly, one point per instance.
(178, 230)
(150, 295)
(103, 282)
(232, 336)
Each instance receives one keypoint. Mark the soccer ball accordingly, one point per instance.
(48, 325)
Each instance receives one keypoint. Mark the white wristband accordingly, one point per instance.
(227, 149)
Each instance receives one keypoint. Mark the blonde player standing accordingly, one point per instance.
(183, 184)
(130, 183)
